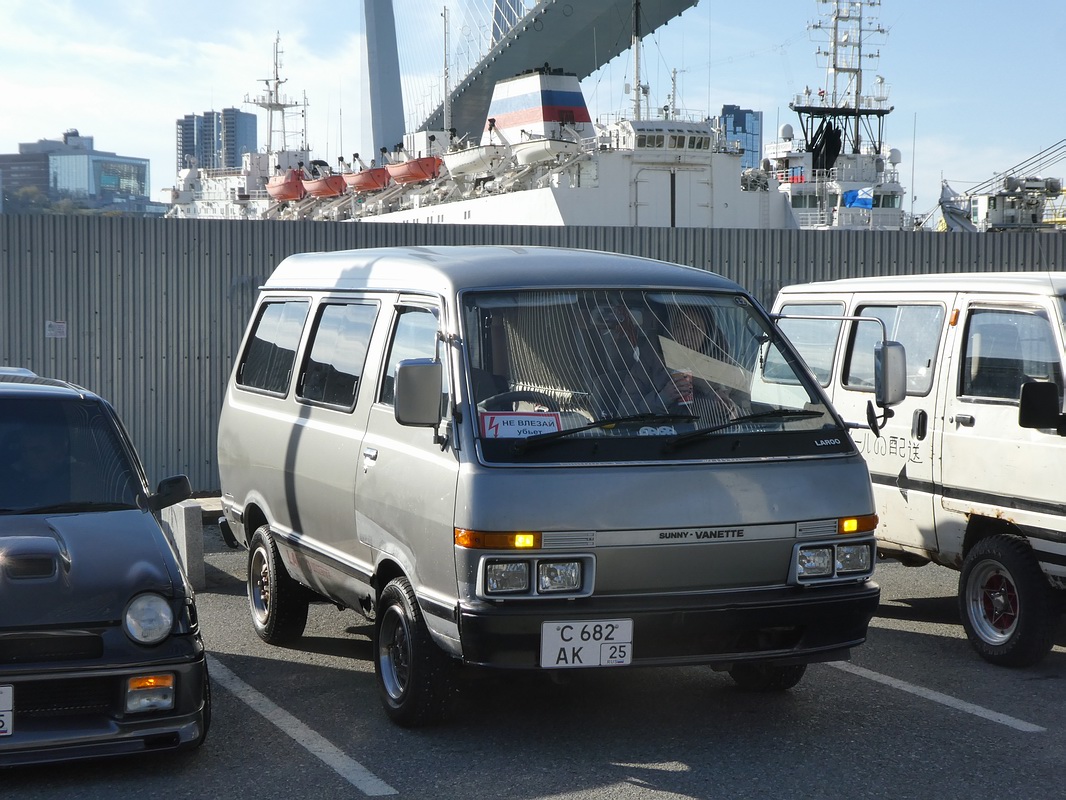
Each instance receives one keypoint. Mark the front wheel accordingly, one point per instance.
(1007, 607)
(767, 677)
(277, 602)
(414, 676)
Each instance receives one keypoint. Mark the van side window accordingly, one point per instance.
(337, 352)
(815, 339)
(414, 336)
(1006, 348)
(271, 350)
(917, 327)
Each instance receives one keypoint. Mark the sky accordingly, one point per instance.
(976, 85)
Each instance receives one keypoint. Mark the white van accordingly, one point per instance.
(530, 458)
(968, 471)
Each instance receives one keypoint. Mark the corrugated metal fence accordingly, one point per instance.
(149, 312)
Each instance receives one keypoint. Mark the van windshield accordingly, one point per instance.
(635, 374)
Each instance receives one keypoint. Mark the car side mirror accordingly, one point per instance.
(890, 374)
(1039, 407)
(170, 492)
(418, 392)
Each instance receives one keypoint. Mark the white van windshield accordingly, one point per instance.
(685, 369)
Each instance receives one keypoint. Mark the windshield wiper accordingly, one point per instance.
(607, 423)
(777, 413)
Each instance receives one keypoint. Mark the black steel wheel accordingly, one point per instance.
(277, 602)
(415, 677)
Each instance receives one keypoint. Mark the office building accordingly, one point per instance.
(744, 126)
(48, 171)
(216, 139)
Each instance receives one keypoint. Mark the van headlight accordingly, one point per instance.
(558, 576)
(148, 618)
(819, 562)
(853, 558)
(815, 562)
(505, 577)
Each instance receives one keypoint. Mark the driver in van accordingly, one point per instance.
(633, 378)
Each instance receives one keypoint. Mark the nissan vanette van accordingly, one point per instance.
(541, 459)
(968, 471)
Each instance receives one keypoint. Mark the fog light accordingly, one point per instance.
(853, 558)
(815, 562)
(150, 693)
(558, 576)
(502, 577)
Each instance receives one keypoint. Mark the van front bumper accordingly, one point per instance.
(790, 625)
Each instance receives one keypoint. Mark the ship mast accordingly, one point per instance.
(840, 117)
(636, 60)
(274, 103)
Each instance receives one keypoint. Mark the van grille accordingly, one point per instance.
(565, 540)
(819, 527)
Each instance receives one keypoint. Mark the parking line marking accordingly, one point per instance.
(349, 769)
(937, 697)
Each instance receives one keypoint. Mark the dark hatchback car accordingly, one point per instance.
(100, 651)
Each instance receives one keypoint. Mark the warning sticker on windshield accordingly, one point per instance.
(518, 424)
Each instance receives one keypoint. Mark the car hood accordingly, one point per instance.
(78, 569)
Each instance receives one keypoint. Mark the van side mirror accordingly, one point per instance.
(890, 374)
(418, 392)
(1039, 407)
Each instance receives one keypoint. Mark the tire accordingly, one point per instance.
(415, 677)
(277, 602)
(1008, 608)
(762, 677)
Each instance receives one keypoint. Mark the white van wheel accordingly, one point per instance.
(414, 676)
(277, 602)
(767, 677)
(1007, 606)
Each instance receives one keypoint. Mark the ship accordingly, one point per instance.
(839, 173)
(266, 181)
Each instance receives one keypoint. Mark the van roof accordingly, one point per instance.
(447, 269)
(1040, 283)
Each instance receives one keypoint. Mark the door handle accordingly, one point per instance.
(370, 455)
(966, 420)
(919, 424)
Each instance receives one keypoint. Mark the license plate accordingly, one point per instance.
(586, 643)
(7, 710)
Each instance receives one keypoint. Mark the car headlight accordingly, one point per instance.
(149, 618)
(502, 577)
(558, 576)
(853, 558)
(815, 562)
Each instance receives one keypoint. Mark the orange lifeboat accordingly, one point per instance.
(287, 186)
(322, 181)
(415, 170)
(367, 180)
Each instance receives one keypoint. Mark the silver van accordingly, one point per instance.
(544, 459)
(967, 473)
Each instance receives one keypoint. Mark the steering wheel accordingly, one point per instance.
(504, 401)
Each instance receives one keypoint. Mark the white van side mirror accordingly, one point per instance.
(1039, 407)
(418, 392)
(890, 374)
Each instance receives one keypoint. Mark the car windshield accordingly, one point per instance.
(617, 374)
(62, 456)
